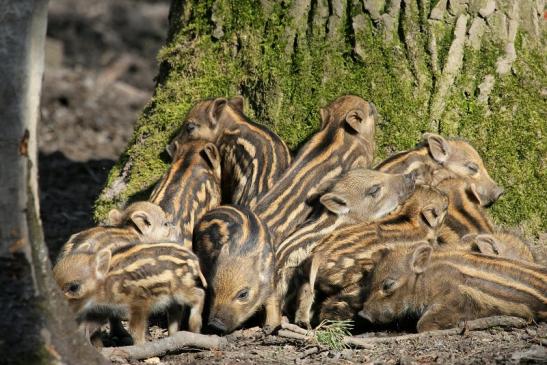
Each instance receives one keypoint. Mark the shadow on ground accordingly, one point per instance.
(68, 190)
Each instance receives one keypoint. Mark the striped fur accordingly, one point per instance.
(359, 196)
(442, 288)
(253, 157)
(139, 222)
(346, 141)
(439, 158)
(235, 251)
(190, 187)
(468, 225)
(465, 213)
(97, 238)
(342, 259)
(134, 281)
(504, 244)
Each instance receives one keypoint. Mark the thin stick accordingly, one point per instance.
(180, 341)
(295, 328)
(473, 325)
(294, 335)
(293, 331)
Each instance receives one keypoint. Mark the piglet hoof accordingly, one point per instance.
(270, 329)
(305, 325)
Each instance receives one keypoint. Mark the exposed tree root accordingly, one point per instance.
(178, 342)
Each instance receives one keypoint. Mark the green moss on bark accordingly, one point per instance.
(234, 48)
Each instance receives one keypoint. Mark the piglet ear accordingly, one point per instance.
(474, 195)
(237, 102)
(487, 244)
(216, 109)
(335, 203)
(171, 149)
(115, 217)
(142, 221)
(420, 258)
(212, 156)
(379, 255)
(86, 246)
(357, 120)
(324, 116)
(102, 263)
(432, 216)
(438, 147)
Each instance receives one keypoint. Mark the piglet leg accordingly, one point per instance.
(174, 317)
(138, 320)
(196, 301)
(438, 317)
(273, 313)
(304, 303)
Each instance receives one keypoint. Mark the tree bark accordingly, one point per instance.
(469, 68)
(36, 325)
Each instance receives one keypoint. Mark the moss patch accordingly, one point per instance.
(284, 91)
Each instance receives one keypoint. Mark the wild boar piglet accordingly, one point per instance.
(190, 187)
(134, 282)
(440, 158)
(236, 254)
(345, 142)
(442, 288)
(253, 158)
(342, 259)
(139, 222)
(359, 196)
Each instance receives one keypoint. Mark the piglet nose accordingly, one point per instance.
(499, 192)
(217, 324)
(365, 315)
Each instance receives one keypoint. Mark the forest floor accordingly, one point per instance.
(100, 67)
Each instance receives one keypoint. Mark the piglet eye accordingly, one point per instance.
(243, 294)
(72, 288)
(191, 126)
(388, 285)
(473, 167)
(373, 191)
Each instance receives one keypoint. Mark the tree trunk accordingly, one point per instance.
(469, 68)
(35, 323)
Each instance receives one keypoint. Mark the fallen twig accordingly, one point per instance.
(308, 352)
(294, 335)
(473, 325)
(295, 328)
(179, 341)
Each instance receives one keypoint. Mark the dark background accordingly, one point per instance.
(100, 69)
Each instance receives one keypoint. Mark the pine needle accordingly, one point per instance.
(331, 333)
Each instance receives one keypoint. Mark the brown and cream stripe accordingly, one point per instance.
(253, 159)
(342, 259)
(465, 213)
(495, 285)
(335, 149)
(191, 186)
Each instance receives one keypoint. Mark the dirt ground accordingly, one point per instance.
(99, 75)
